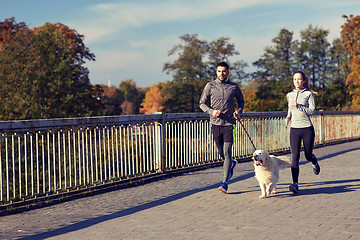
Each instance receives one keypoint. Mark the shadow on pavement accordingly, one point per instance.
(323, 188)
(339, 153)
(125, 212)
(307, 189)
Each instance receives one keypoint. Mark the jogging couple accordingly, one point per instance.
(218, 100)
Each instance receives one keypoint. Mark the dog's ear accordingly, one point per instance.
(265, 153)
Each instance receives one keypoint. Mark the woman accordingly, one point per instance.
(301, 105)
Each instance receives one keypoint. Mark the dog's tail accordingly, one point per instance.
(283, 161)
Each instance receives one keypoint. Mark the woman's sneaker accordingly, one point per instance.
(294, 188)
(223, 187)
(316, 168)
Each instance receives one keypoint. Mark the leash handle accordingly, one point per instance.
(247, 133)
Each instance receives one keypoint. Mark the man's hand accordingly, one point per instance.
(216, 113)
(236, 115)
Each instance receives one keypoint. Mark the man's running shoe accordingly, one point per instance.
(223, 187)
(233, 164)
(294, 188)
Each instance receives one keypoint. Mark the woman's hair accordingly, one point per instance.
(306, 81)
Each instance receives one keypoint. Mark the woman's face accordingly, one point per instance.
(298, 81)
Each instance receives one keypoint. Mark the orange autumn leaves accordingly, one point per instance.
(350, 35)
(153, 101)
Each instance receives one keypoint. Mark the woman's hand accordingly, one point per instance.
(287, 120)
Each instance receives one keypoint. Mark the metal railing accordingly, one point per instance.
(48, 157)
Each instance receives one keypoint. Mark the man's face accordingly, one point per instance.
(222, 73)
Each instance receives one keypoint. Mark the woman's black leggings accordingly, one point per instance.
(307, 135)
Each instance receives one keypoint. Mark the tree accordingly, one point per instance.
(132, 96)
(350, 36)
(127, 107)
(110, 99)
(222, 50)
(249, 91)
(8, 30)
(43, 74)
(153, 101)
(275, 68)
(194, 67)
(176, 97)
(312, 55)
(13, 57)
(335, 95)
(189, 70)
(98, 94)
(323, 64)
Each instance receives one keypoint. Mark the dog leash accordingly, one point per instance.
(247, 133)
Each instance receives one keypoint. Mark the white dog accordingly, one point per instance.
(267, 170)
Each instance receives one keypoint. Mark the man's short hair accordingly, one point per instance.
(223, 64)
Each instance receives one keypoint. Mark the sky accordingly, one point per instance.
(131, 38)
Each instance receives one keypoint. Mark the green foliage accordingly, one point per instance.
(312, 54)
(43, 75)
(194, 67)
(42, 72)
(132, 95)
(110, 99)
(274, 72)
(221, 50)
(335, 95)
(323, 63)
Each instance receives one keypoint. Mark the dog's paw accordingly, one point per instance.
(273, 192)
(262, 196)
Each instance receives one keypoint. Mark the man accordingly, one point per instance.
(218, 100)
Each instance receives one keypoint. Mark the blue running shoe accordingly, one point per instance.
(223, 187)
(233, 164)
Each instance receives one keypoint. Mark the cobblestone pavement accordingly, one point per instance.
(190, 207)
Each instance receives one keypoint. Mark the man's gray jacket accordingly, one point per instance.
(218, 95)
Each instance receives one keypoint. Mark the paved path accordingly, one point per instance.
(190, 207)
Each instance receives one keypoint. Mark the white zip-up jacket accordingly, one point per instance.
(300, 115)
(218, 95)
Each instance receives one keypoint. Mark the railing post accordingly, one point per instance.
(163, 143)
(160, 143)
(322, 127)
